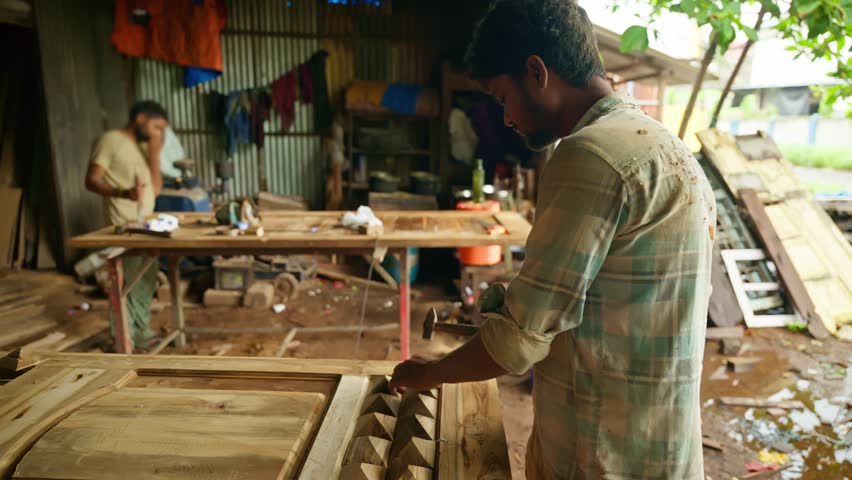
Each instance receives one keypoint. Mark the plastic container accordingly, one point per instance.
(391, 264)
(383, 182)
(480, 256)
(425, 183)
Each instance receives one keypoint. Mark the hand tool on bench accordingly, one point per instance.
(491, 228)
(139, 228)
(432, 325)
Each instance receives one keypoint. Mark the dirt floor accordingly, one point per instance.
(817, 439)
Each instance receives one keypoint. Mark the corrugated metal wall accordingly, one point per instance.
(263, 39)
(266, 38)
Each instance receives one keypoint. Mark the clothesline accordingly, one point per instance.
(242, 114)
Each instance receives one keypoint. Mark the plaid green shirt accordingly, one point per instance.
(610, 306)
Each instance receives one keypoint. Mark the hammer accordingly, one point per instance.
(432, 325)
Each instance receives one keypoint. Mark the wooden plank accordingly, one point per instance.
(45, 343)
(19, 301)
(78, 331)
(761, 403)
(723, 310)
(787, 273)
(323, 230)
(329, 271)
(20, 331)
(221, 435)
(378, 268)
(10, 199)
(50, 403)
(214, 364)
(473, 443)
(719, 333)
(178, 321)
(165, 342)
(326, 457)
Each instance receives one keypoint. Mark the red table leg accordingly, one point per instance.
(118, 306)
(404, 305)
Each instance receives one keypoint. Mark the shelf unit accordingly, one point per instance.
(401, 157)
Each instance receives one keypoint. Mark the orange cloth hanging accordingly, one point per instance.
(183, 32)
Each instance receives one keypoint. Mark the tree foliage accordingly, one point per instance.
(815, 29)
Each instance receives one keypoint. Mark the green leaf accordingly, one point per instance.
(807, 6)
(817, 25)
(732, 6)
(750, 33)
(726, 34)
(634, 38)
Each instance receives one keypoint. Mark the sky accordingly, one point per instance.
(680, 38)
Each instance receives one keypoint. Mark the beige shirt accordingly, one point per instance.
(124, 161)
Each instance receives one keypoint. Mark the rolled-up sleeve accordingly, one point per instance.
(582, 202)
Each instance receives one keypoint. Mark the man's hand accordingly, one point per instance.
(415, 373)
(135, 193)
(469, 363)
(155, 142)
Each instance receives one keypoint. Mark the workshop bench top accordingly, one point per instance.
(324, 230)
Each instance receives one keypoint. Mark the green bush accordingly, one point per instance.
(838, 158)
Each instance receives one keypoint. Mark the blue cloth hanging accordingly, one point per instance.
(196, 76)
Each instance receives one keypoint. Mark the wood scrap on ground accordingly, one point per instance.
(742, 364)
(333, 272)
(718, 333)
(761, 403)
(222, 298)
(21, 316)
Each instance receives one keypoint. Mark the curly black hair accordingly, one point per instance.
(150, 108)
(558, 31)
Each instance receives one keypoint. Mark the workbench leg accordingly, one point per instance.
(118, 306)
(507, 259)
(177, 301)
(404, 305)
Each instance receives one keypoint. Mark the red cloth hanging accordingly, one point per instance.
(183, 32)
(284, 95)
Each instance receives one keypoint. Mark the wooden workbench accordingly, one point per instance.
(107, 416)
(299, 232)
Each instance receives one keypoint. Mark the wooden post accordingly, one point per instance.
(118, 306)
(177, 301)
(661, 96)
(404, 306)
(507, 258)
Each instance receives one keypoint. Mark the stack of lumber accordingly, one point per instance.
(733, 233)
(811, 255)
(21, 314)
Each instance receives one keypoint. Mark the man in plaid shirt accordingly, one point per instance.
(610, 306)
